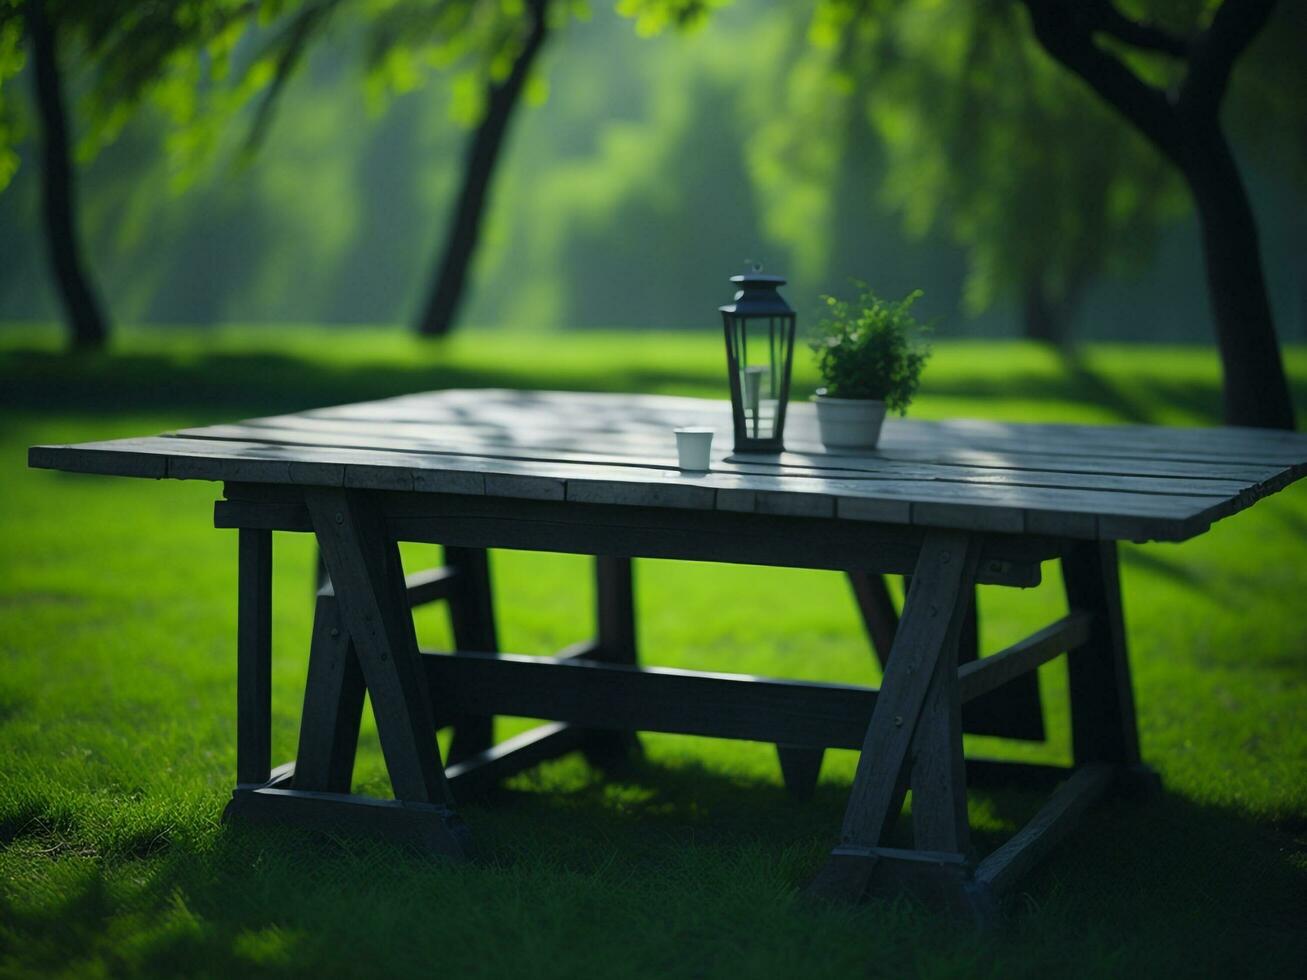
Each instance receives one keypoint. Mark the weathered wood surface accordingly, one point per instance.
(481, 772)
(979, 677)
(926, 641)
(333, 704)
(1103, 726)
(938, 774)
(649, 532)
(1094, 482)
(592, 694)
(616, 642)
(254, 657)
(426, 827)
(369, 583)
(472, 619)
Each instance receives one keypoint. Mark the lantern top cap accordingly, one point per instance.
(756, 277)
(757, 295)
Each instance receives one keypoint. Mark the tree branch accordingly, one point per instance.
(1144, 35)
(1065, 29)
(1233, 28)
(293, 41)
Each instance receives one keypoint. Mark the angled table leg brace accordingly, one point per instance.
(915, 737)
(363, 561)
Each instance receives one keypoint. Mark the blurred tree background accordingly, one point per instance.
(282, 177)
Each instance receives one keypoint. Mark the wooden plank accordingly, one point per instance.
(960, 464)
(936, 770)
(989, 673)
(615, 643)
(364, 567)
(941, 880)
(333, 704)
(592, 694)
(616, 441)
(428, 828)
(693, 536)
(654, 412)
(1222, 442)
(927, 632)
(649, 414)
(1076, 481)
(811, 492)
(472, 619)
(1011, 509)
(103, 458)
(271, 517)
(482, 771)
(609, 447)
(254, 658)
(430, 585)
(1002, 869)
(598, 481)
(879, 616)
(1103, 727)
(643, 532)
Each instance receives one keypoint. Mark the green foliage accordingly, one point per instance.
(871, 349)
(216, 70)
(11, 63)
(655, 16)
(990, 142)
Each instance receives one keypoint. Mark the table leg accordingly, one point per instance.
(1103, 725)
(254, 657)
(333, 705)
(364, 564)
(363, 634)
(938, 769)
(879, 617)
(472, 617)
(616, 635)
(915, 717)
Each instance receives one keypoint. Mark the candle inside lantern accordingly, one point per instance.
(752, 393)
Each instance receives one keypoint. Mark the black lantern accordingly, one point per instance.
(759, 356)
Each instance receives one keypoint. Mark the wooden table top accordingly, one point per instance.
(1096, 482)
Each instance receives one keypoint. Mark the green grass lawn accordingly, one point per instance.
(117, 693)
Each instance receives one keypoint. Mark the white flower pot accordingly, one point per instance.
(849, 423)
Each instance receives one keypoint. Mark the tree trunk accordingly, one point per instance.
(1256, 392)
(1042, 317)
(86, 322)
(1187, 131)
(478, 170)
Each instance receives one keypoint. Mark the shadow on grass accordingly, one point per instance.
(668, 870)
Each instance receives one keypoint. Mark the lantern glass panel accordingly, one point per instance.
(760, 351)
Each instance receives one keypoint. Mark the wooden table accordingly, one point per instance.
(950, 504)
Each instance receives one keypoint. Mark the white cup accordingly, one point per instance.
(693, 446)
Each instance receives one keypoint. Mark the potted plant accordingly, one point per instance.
(870, 355)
